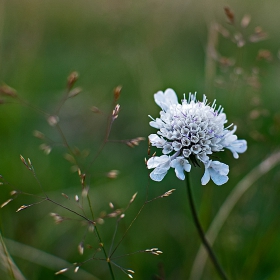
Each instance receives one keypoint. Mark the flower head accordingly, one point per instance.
(190, 132)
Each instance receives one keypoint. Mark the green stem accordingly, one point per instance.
(201, 232)
(100, 241)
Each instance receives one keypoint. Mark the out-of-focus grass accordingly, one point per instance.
(145, 47)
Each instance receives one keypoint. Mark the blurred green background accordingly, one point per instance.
(144, 46)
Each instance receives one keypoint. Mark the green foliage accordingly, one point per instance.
(144, 46)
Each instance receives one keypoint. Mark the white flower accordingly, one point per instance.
(161, 165)
(191, 132)
(180, 164)
(217, 171)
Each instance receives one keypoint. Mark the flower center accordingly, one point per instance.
(192, 128)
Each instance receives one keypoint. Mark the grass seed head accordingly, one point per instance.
(61, 271)
(13, 192)
(8, 91)
(6, 202)
(245, 21)
(45, 148)
(94, 109)
(81, 248)
(85, 191)
(53, 120)
(23, 207)
(117, 92)
(38, 134)
(72, 78)
(74, 92)
(230, 14)
(133, 197)
(113, 174)
(65, 195)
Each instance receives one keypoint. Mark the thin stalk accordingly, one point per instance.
(201, 232)
(100, 241)
(8, 259)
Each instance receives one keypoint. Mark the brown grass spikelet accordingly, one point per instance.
(72, 78)
(69, 158)
(134, 142)
(96, 110)
(264, 55)
(258, 35)
(13, 192)
(239, 40)
(24, 162)
(8, 91)
(91, 228)
(74, 168)
(133, 197)
(65, 195)
(85, 191)
(222, 30)
(230, 14)
(81, 248)
(6, 202)
(76, 269)
(38, 134)
(23, 207)
(168, 193)
(117, 92)
(74, 92)
(114, 214)
(82, 178)
(53, 120)
(154, 251)
(113, 174)
(245, 21)
(45, 148)
(116, 111)
(76, 151)
(62, 271)
(57, 218)
(100, 221)
(226, 62)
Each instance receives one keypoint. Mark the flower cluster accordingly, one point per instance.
(191, 132)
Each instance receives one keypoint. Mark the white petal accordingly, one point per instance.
(156, 140)
(217, 178)
(180, 173)
(171, 96)
(154, 162)
(205, 178)
(154, 124)
(217, 171)
(220, 167)
(157, 176)
(180, 164)
(238, 146)
(164, 100)
(158, 123)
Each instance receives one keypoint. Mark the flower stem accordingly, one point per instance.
(101, 243)
(201, 232)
